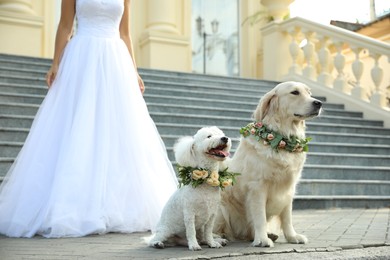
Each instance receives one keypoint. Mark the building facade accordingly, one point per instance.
(213, 37)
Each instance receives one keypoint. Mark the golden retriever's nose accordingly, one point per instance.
(225, 139)
(317, 104)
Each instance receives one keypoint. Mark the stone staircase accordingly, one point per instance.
(349, 160)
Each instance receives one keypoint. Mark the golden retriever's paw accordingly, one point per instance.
(297, 239)
(214, 244)
(222, 241)
(194, 247)
(159, 245)
(263, 243)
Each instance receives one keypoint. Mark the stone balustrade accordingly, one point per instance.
(339, 60)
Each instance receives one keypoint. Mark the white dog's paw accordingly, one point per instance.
(297, 239)
(214, 244)
(194, 247)
(265, 242)
(222, 241)
(158, 244)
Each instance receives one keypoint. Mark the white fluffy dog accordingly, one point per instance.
(190, 212)
(270, 158)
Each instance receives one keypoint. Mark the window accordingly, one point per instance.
(215, 42)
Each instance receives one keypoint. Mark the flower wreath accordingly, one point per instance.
(274, 139)
(197, 176)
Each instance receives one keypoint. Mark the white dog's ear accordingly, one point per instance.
(185, 151)
(268, 104)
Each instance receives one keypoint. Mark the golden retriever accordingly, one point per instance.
(270, 167)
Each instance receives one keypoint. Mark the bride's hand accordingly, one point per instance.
(141, 84)
(51, 75)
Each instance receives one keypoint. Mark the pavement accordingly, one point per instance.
(332, 233)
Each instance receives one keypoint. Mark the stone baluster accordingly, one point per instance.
(378, 98)
(340, 82)
(309, 51)
(324, 60)
(357, 68)
(294, 51)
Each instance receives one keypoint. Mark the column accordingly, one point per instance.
(165, 42)
(162, 16)
(19, 6)
(21, 27)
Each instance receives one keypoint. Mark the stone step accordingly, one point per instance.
(16, 65)
(178, 90)
(331, 201)
(17, 93)
(24, 59)
(322, 137)
(13, 134)
(312, 126)
(22, 89)
(189, 129)
(347, 148)
(315, 126)
(18, 108)
(257, 87)
(22, 72)
(194, 96)
(343, 187)
(380, 142)
(320, 172)
(345, 172)
(348, 159)
(5, 164)
(223, 121)
(16, 121)
(21, 98)
(25, 80)
(320, 158)
(222, 111)
(32, 63)
(10, 94)
(19, 134)
(10, 149)
(212, 81)
(12, 140)
(202, 120)
(198, 82)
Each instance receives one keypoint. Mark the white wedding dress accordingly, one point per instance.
(93, 161)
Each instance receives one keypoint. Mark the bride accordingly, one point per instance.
(93, 161)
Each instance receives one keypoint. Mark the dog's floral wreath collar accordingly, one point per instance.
(197, 176)
(274, 139)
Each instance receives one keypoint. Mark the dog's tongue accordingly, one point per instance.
(221, 153)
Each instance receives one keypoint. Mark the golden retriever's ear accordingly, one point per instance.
(268, 104)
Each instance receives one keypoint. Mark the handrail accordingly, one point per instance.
(340, 63)
(338, 33)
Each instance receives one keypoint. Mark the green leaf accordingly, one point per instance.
(262, 133)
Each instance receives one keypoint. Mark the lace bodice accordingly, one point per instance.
(99, 18)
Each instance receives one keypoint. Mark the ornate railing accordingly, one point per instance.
(339, 63)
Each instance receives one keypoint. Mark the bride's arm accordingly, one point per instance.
(64, 32)
(124, 31)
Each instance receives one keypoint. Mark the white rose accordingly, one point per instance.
(197, 174)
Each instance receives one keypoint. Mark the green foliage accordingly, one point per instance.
(197, 176)
(274, 139)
